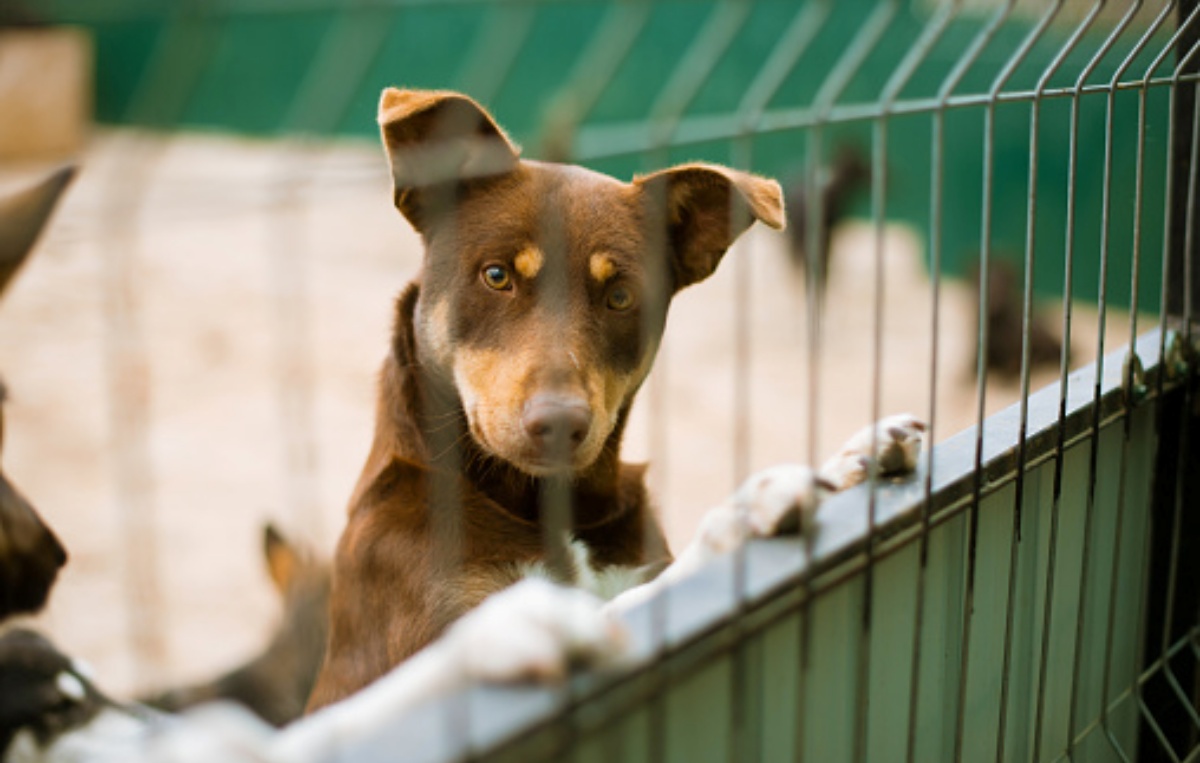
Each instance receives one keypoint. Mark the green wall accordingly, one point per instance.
(269, 67)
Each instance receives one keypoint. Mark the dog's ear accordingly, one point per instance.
(438, 140)
(704, 207)
(283, 560)
(22, 217)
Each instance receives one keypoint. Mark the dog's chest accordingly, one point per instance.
(604, 581)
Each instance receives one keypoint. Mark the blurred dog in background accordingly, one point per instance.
(276, 683)
(30, 553)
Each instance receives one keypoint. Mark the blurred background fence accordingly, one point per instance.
(606, 82)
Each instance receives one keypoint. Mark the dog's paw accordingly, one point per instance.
(897, 443)
(779, 500)
(536, 630)
(782, 499)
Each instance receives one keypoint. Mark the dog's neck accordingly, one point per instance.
(432, 412)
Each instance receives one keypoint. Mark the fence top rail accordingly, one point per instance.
(604, 141)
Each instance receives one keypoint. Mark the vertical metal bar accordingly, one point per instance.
(1140, 170)
(1167, 365)
(937, 154)
(793, 44)
(1170, 407)
(1027, 320)
(783, 57)
(1183, 284)
(739, 749)
(1127, 423)
(672, 101)
(1169, 286)
(1110, 736)
(492, 58)
(916, 55)
(1180, 588)
(826, 98)
(594, 70)
(160, 98)
(981, 371)
(693, 70)
(1169, 472)
(1178, 585)
(1023, 433)
(343, 60)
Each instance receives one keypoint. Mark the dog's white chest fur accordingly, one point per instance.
(604, 583)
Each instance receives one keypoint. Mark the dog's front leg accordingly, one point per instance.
(785, 498)
(534, 630)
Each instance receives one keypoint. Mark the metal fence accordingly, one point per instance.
(1032, 594)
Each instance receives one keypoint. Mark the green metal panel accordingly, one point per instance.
(829, 681)
(781, 654)
(893, 618)
(941, 636)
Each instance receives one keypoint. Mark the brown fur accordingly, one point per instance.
(486, 379)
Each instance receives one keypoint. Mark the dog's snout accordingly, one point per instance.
(557, 424)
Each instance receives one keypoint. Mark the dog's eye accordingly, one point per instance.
(620, 298)
(497, 277)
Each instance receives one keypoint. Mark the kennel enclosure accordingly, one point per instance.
(1032, 593)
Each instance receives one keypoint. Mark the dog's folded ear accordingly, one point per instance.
(704, 208)
(439, 139)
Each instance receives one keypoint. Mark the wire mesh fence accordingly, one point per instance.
(984, 200)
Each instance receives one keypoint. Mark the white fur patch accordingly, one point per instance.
(605, 583)
(112, 735)
(69, 684)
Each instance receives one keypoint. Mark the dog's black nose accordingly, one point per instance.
(556, 423)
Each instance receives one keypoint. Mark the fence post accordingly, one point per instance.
(1173, 595)
(1181, 181)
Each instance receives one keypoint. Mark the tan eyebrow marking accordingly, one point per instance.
(529, 262)
(601, 267)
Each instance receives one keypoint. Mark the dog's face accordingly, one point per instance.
(546, 286)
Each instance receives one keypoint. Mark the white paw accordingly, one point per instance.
(782, 499)
(897, 443)
(536, 630)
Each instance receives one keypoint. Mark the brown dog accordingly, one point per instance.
(30, 554)
(515, 359)
(514, 363)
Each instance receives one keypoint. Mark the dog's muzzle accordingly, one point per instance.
(556, 425)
